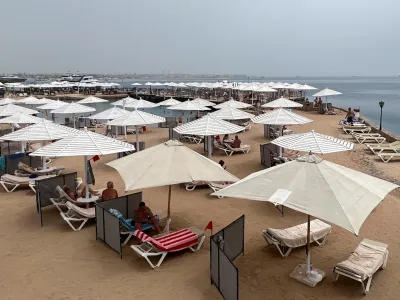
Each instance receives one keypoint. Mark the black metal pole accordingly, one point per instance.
(380, 123)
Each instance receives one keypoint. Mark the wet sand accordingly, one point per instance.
(54, 262)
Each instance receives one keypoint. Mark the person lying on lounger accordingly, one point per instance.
(236, 142)
(70, 193)
(82, 192)
(143, 215)
(109, 193)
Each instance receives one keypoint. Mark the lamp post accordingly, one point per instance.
(381, 104)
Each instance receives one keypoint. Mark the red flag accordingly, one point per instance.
(209, 226)
(96, 158)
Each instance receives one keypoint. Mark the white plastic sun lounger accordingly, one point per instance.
(50, 170)
(363, 138)
(190, 238)
(77, 214)
(364, 261)
(196, 139)
(223, 148)
(378, 148)
(386, 157)
(11, 182)
(243, 148)
(296, 236)
(356, 129)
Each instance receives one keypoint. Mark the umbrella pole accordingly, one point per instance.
(126, 137)
(137, 138)
(43, 160)
(209, 152)
(73, 117)
(280, 148)
(86, 178)
(308, 246)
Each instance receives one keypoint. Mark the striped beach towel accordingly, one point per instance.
(172, 242)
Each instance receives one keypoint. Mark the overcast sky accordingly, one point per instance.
(270, 38)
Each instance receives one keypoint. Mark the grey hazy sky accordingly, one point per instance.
(253, 37)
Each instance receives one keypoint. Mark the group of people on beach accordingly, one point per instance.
(235, 143)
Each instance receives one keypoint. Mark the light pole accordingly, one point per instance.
(381, 104)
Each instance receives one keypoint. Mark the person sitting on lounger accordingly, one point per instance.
(143, 215)
(109, 193)
(70, 193)
(350, 116)
(236, 142)
(218, 139)
(226, 139)
(82, 192)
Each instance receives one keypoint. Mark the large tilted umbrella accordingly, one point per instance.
(11, 109)
(281, 102)
(315, 187)
(73, 108)
(137, 118)
(167, 164)
(84, 143)
(232, 103)
(169, 102)
(230, 113)
(208, 126)
(91, 99)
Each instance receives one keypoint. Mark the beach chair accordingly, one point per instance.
(127, 229)
(386, 157)
(50, 170)
(243, 149)
(195, 139)
(374, 137)
(246, 125)
(223, 148)
(356, 129)
(363, 262)
(11, 182)
(77, 214)
(216, 186)
(190, 238)
(191, 186)
(378, 148)
(287, 239)
(330, 112)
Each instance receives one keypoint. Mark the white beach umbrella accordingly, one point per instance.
(136, 84)
(52, 105)
(21, 119)
(325, 93)
(73, 108)
(124, 101)
(11, 109)
(141, 103)
(202, 102)
(179, 165)
(109, 114)
(188, 105)
(306, 87)
(232, 103)
(265, 89)
(35, 101)
(149, 83)
(280, 116)
(315, 187)
(230, 113)
(169, 102)
(279, 86)
(313, 142)
(137, 118)
(1, 84)
(282, 102)
(91, 99)
(5, 101)
(84, 143)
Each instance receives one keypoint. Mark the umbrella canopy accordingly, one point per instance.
(340, 195)
(281, 116)
(282, 102)
(110, 114)
(21, 119)
(7, 101)
(208, 126)
(53, 105)
(306, 87)
(188, 105)
(279, 86)
(314, 142)
(230, 113)
(326, 92)
(11, 109)
(141, 104)
(35, 101)
(232, 103)
(264, 89)
(73, 108)
(202, 102)
(124, 101)
(136, 84)
(41, 131)
(169, 102)
(91, 99)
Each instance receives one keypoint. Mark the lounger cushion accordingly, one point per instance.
(296, 236)
(22, 180)
(85, 212)
(365, 260)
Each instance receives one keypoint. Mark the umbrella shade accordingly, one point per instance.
(73, 108)
(136, 84)
(280, 116)
(306, 87)
(7, 101)
(265, 89)
(21, 119)
(110, 114)
(11, 109)
(314, 142)
(91, 99)
(84, 143)
(229, 113)
(34, 101)
(232, 103)
(166, 164)
(169, 102)
(141, 104)
(282, 102)
(279, 86)
(124, 101)
(137, 118)
(53, 105)
(188, 105)
(326, 92)
(339, 195)
(208, 126)
(42, 131)
(202, 102)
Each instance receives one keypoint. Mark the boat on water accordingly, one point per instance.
(72, 78)
(11, 79)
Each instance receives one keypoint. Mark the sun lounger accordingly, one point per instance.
(8, 180)
(386, 157)
(364, 261)
(243, 148)
(246, 125)
(190, 238)
(378, 148)
(362, 138)
(296, 236)
(77, 214)
(50, 170)
(216, 186)
(223, 148)
(196, 139)
(356, 129)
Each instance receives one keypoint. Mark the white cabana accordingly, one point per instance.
(5, 101)
(232, 103)
(91, 99)
(169, 102)
(318, 188)
(11, 109)
(73, 108)
(110, 114)
(137, 118)
(281, 102)
(84, 143)
(52, 105)
(230, 113)
(202, 102)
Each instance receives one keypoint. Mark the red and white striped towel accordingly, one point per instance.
(172, 242)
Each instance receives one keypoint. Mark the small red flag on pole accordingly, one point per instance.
(96, 158)
(209, 226)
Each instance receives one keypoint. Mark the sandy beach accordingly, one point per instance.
(54, 262)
